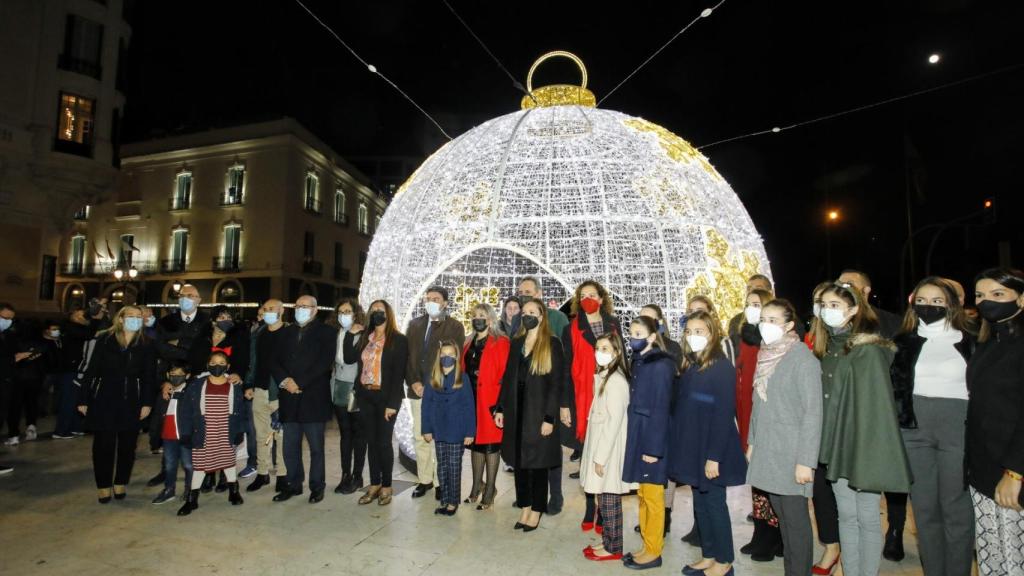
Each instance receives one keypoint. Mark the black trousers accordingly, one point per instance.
(378, 433)
(532, 488)
(24, 398)
(113, 455)
(353, 444)
(826, 512)
(896, 509)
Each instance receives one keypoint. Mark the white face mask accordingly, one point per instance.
(771, 333)
(697, 343)
(303, 315)
(817, 310)
(433, 309)
(604, 358)
(345, 320)
(833, 317)
(753, 314)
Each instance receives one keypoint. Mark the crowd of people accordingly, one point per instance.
(854, 404)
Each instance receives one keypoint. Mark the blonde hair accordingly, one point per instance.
(117, 330)
(540, 357)
(492, 317)
(437, 373)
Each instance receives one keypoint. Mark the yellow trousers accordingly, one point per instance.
(652, 517)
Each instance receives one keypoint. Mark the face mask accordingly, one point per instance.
(225, 325)
(377, 318)
(345, 320)
(603, 358)
(638, 344)
(771, 333)
(997, 311)
(186, 304)
(590, 305)
(217, 369)
(150, 321)
(817, 310)
(270, 318)
(929, 313)
(753, 314)
(54, 333)
(176, 379)
(479, 324)
(447, 361)
(302, 315)
(530, 322)
(5, 323)
(833, 317)
(132, 324)
(697, 343)
(433, 309)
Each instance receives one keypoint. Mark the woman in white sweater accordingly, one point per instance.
(604, 448)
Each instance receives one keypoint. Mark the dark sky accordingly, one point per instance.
(753, 65)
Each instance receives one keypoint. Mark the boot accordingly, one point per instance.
(282, 484)
(260, 481)
(233, 496)
(345, 484)
(222, 483)
(893, 549)
(191, 503)
(757, 539)
(668, 520)
(207, 486)
(771, 544)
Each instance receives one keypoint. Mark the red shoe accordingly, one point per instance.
(587, 526)
(605, 558)
(599, 528)
(588, 552)
(825, 571)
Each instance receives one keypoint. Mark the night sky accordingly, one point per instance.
(752, 65)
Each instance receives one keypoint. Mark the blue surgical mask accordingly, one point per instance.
(186, 304)
(132, 324)
(270, 318)
(5, 323)
(447, 361)
(150, 321)
(433, 309)
(302, 315)
(345, 320)
(638, 344)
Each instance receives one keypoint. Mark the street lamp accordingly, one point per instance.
(118, 274)
(934, 58)
(176, 286)
(833, 215)
(133, 273)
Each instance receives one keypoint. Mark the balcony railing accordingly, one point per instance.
(227, 264)
(312, 205)
(178, 203)
(172, 265)
(342, 274)
(80, 65)
(313, 268)
(232, 197)
(73, 269)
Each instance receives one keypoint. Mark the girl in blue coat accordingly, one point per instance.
(650, 390)
(706, 451)
(449, 421)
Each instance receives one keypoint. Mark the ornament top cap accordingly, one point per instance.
(558, 94)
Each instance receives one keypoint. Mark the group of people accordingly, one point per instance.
(854, 404)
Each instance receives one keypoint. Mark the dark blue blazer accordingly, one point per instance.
(704, 427)
(647, 433)
(449, 414)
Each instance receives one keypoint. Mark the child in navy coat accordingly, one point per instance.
(449, 421)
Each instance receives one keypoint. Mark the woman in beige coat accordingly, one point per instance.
(604, 448)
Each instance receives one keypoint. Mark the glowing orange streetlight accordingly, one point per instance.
(833, 215)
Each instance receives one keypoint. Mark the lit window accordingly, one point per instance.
(77, 261)
(179, 250)
(311, 200)
(76, 119)
(236, 184)
(339, 206)
(364, 217)
(182, 191)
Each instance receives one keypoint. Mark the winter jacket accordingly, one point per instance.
(902, 371)
(449, 414)
(527, 401)
(605, 443)
(192, 415)
(117, 383)
(647, 434)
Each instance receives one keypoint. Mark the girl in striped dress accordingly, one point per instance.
(211, 423)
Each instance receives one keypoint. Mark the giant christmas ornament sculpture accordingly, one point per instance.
(566, 192)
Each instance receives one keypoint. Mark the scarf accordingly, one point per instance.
(768, 358)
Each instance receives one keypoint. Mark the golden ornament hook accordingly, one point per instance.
(558, 94)
(554, 54)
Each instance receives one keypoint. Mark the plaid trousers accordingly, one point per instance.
(449, 471)
(610, 506)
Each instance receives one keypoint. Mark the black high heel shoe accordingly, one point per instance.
(528, 528)
(519, 526)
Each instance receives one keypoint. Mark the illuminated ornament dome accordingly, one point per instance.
(566, 192)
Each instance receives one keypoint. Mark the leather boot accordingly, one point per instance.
(757, 539)
(233, 495)
(260, 481)
(191, 503)
(771, 544)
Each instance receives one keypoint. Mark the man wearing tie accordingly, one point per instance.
(425, 334)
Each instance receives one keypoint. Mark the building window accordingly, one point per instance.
(83, 47)
(76, 263)
(82, 213)
(236, 185)
(179, 251)
(364, 217)
(124, 256)
(231, 254)
(75, 125)
(182, 198)
(311, 199)
(339, 206)
(376, 222)
(308, 245)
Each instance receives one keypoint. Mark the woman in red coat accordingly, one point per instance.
(483, 358)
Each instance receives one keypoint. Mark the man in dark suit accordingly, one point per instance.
(425, 335)
(302, 368)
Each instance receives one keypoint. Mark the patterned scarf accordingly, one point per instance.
(768, 358)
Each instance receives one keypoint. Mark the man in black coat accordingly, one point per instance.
(8, 350)
(81, 327)
(302, 368)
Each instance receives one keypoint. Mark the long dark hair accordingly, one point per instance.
(955, 315)
(390, 326)
(863, 322)
(1010, 278)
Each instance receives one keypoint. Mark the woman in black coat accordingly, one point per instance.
(527, 410)
(379, 393)
(117, 392)
(995, 421)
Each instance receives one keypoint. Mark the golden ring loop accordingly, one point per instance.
(563, 54)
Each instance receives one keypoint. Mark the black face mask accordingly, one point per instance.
(530, 322)
(225, 326)
(176, 379)
(930, 313)
(479, 324)
(997, 311)
(377, 318)
(217, 369)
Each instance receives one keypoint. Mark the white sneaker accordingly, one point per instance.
(30, 433)
(12, 441)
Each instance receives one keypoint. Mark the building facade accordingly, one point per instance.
(60, 110)
(243, 213)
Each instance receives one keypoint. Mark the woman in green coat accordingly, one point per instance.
(861, 444)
